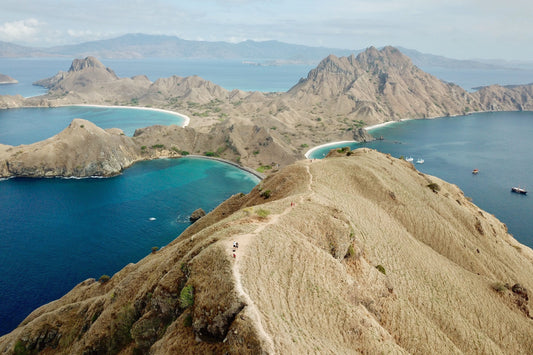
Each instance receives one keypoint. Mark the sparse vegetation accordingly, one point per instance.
(381, 269)
(143, 147)
(263, 168)
(266, 194)
(434, 187)
(104, 278)
(187, 296)
(158, 146)
(350, 252)
(210, 154)
(154, 249)
(187, 320)
(262, 213)
(305, 145)
(499, 287)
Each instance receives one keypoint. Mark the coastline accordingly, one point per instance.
(186, 118)
(229, 162)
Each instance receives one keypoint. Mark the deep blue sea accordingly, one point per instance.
(499, 144)
(55, 233)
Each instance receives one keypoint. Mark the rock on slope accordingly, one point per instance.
(344, 255)
(82, 149)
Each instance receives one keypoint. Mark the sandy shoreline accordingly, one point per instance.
(368, 128)
(186, 122)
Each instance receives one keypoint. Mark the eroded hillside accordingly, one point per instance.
(359, 253)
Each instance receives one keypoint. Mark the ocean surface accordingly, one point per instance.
(55, 233)
(30, 125)
(499, 144)
(230, 74)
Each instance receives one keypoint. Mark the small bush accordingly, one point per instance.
(266, 194)
(434, 187)
(210, 154)
(304, 145)
(187, 297)
(143, 147)
(104, 278)
(154, 249)
(381, 269)
(262, 213)
(350, 252)
(499, 287)
(184, 152)
(158, 146)
(187, 321)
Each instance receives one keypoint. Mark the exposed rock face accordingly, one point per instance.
(81, 150)
(5, 79)
(506, 98)
(379, 84)
(348, 255)
(196, 215)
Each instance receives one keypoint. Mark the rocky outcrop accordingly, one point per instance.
(380, 85)
(505, 98)
(196, 215)
(5, 79)
(81, 150)
(359, 242)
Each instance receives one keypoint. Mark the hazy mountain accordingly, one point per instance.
(271, 52)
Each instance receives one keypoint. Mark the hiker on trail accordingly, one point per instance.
(236, 244)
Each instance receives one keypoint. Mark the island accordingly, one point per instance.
(4, 79)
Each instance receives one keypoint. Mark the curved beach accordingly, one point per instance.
(186, 122)
(368, 128)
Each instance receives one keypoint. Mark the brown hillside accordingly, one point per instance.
(351, 254)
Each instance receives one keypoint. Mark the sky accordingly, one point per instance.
(462, 29)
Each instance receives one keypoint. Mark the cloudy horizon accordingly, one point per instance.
(457, 29)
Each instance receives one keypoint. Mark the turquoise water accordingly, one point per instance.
(56, 233)
(30, 125)
(499, 144)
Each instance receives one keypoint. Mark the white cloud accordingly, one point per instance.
(22, 30)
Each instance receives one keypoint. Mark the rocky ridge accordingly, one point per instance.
(435, 275)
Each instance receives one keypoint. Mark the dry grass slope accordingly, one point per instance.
(306, 278)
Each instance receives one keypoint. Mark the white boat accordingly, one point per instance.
(420, 161)
(410, 159)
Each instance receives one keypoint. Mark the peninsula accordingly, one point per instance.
(313, 273)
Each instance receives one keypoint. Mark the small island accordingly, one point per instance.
(4, 79)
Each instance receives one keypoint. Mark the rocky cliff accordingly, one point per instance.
(352, 254)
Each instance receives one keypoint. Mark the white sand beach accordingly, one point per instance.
(186, 122)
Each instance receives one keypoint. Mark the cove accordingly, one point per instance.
(30, 125)
(499, 144)
(58, 232)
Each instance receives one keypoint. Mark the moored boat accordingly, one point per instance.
(420, 161)
(519, 190)
(475, 171)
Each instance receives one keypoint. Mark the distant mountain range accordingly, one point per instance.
(260, 53)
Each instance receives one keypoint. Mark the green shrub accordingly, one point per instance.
(304, 145)
(20, 348)
(210, 154)
(350, 252)
(154, 249)
(434, 187)
(143, 147)
(262, 213)
(158, 146)
(266, 194)
(499, 287)
(381, 269)
(184, 152)
(104, 278)
(187, 320)
(187, 296)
